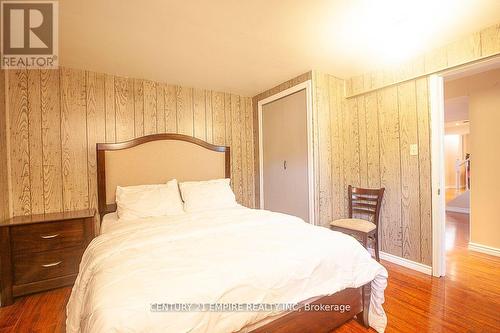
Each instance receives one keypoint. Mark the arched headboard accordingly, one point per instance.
(155, 159)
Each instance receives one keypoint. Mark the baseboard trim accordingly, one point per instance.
(458, 210)
(484, 249)
(416, 266)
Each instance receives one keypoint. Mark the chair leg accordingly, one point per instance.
(364, 239)
(375, 246)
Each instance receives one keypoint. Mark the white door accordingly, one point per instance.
(285, 155)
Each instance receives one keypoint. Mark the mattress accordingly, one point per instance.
(227, 256)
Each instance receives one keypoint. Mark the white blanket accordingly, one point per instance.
(235, 255)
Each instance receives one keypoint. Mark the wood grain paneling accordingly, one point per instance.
(397, 115)
(464, 50)
(96, 128)
(19, 136)
(74, 139)
(470, 48)
(51, 141)
(4, 174)
(250, 154)
(323, 138)
(283, 86)
(161, 122)
(410, 186)
(110, 103)
(406, 228)
(243, 149)
(124, 109)
(351, 144)
(371, 134)
(138, 108)
(200, 125)
(150, 109)
(35, 142)
(363, 145)
(389, 121)
(185, 111)
(218, 117)
(435, 60)
(424, 156)
(235, 112)
(413, 68)
(336, 87)
(372, 141)
(58, 116)
(490, 40)
(170, 105)
(357, 83)
(228, 119)
(390, 171)
(209, 117)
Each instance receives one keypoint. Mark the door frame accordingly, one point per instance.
(436, 99)
(307, 86)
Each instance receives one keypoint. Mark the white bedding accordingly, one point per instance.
(108, 221)
(235, 255)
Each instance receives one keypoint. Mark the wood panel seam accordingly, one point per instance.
(419, 172)
(400, 173)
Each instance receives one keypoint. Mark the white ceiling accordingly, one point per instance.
(456, 129)
(249, 46)
(456, 109)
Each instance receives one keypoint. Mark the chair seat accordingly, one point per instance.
(354, 224)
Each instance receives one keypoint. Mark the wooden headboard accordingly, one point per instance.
(155, 159)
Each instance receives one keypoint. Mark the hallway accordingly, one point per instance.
(452, 193)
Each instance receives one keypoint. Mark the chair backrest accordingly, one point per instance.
(365, 201)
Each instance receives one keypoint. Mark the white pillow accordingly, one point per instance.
(148, 200)
(207, 195)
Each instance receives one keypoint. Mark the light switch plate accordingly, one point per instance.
(413, 150)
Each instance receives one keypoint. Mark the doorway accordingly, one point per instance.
(463, 119)
(285, 152)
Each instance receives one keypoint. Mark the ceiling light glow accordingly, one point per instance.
(395, 31)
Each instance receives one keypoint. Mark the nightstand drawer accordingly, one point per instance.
(46, 265)
(47, 236)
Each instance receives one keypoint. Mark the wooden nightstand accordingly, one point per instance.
(41, 252)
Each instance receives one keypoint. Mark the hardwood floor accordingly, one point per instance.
(452, 193)
(466, 300)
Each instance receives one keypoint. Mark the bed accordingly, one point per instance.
(221, 270)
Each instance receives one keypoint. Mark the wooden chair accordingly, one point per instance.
(366, 203)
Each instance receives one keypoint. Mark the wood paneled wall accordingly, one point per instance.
(479, 45)
(376, 132)
(4, 178)
(365, 141)
(391, 110)
(329, 166)
(57, 117)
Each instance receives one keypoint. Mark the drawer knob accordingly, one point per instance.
(49, 236)
(51, 264)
